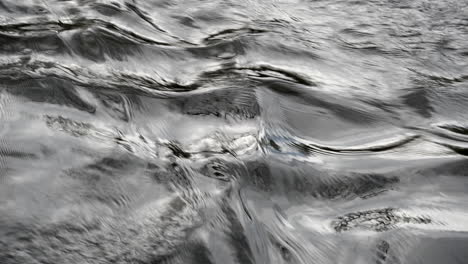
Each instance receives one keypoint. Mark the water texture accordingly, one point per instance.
(233, 131)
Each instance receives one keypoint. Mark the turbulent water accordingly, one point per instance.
(233, 131)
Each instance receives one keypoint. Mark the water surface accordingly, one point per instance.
(233, 131)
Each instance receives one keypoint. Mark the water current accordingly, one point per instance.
(233, 131)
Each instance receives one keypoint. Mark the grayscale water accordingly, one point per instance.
(233, 131)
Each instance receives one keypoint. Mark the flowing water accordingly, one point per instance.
(233, 131)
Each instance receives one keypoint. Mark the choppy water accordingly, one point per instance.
(233, 131)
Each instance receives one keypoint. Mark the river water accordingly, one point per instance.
(233, 131)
